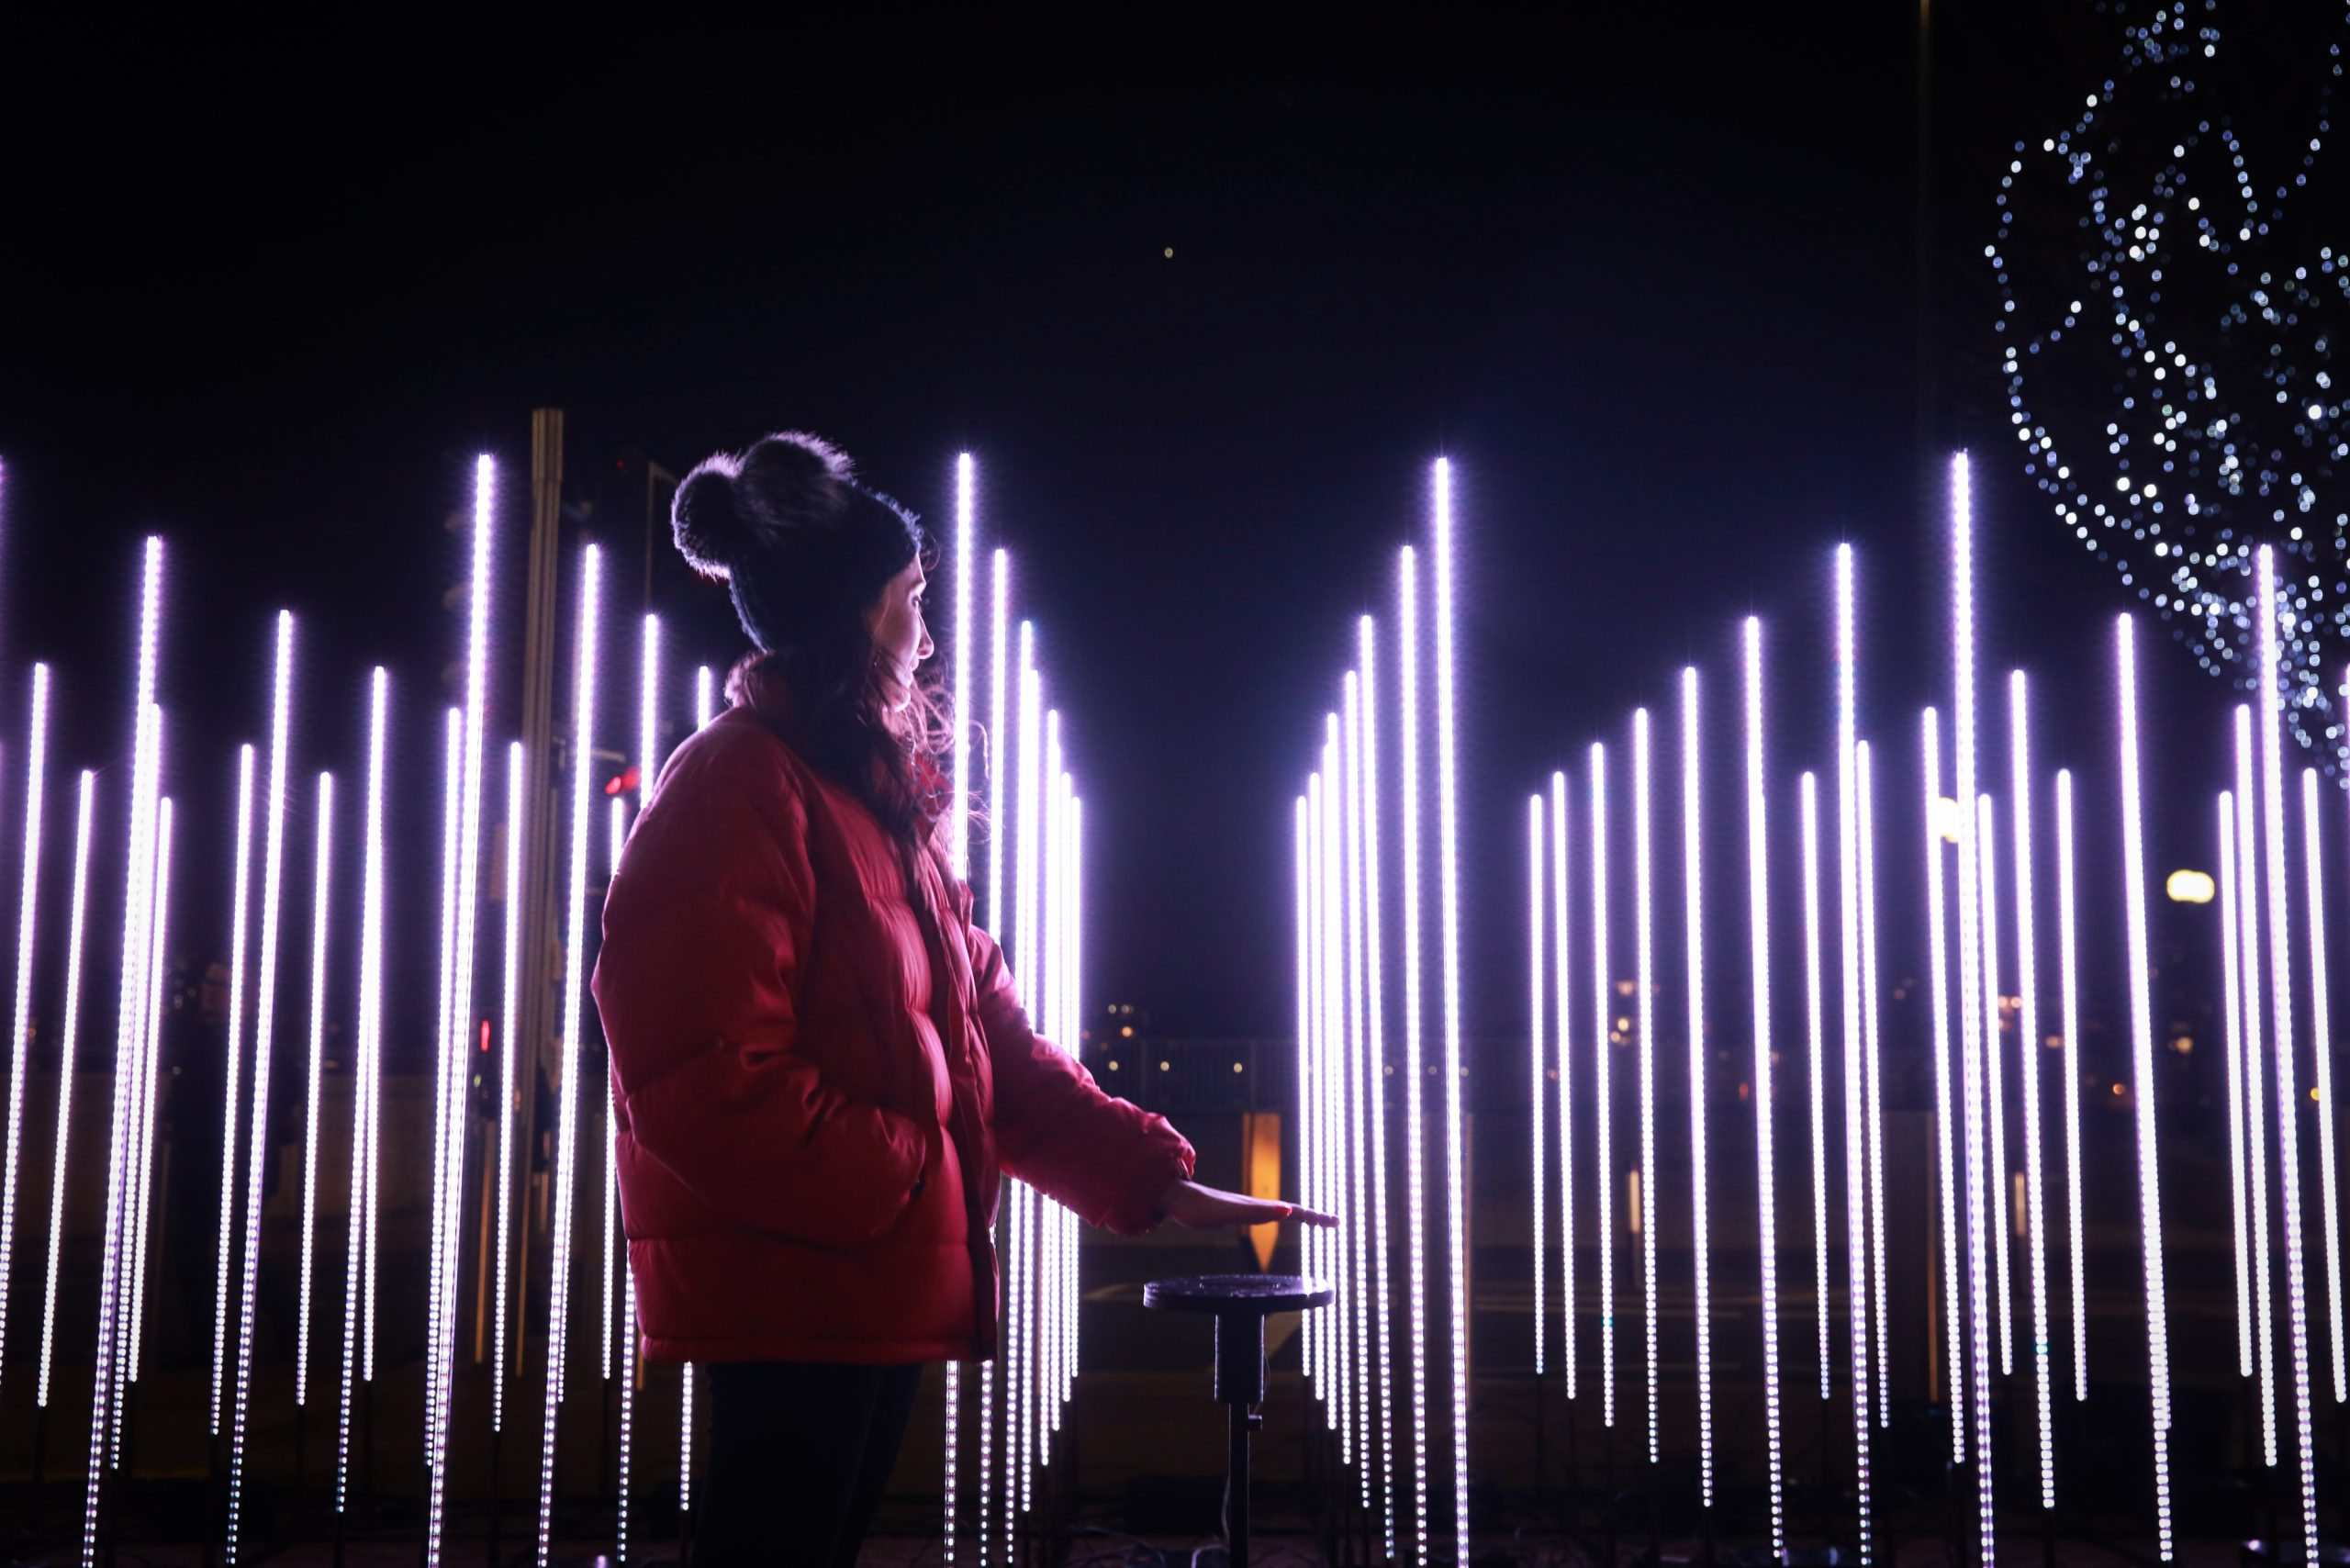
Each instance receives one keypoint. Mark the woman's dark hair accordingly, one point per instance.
(805, 550)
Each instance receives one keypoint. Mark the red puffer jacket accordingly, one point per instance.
(810, 1128)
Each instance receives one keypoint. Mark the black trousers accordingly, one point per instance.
(798, 1454)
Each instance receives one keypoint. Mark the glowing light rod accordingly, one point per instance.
(1355, 1051)
(1945, 1129)
(516, 823)
(2070, 997)
(236, 928)
(144, 1191)
(2280, 947)
(2233, 1012)
(1603, 1099)
(2028, 1070)
(264, 1033)
(1856, 1207)
(2321, 1032)
(1644, 1018)
(958, 855)
(1374, 1065)
(1869, 1026)
(1414, 1142)
(2256, 1135)
(1693, 925)
(2141, 1056)
(1447, 769)
(1538, 1055)
(1558, 968)
(574, 996)
(1969, 992)
(1758, 893)
(36, 769)
(68, 1037)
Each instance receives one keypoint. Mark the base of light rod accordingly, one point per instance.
(2330, 1554)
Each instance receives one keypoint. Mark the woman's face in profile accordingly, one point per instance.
(900, 641)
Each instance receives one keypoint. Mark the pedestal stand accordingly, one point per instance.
(1240, 1303)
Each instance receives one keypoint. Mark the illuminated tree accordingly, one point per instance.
(2174, 280)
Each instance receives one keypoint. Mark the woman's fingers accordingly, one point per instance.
(1189, 1203)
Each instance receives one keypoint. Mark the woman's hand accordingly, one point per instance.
(1195, 1207)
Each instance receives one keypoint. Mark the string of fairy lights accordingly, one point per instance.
(2170, 371)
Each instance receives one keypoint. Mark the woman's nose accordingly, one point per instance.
(927, 648)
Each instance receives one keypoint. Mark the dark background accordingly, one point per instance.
(1688, 295)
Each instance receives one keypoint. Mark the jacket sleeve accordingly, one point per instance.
(1104, 1157)
(705, 927)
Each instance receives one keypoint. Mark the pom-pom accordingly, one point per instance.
(730, 507)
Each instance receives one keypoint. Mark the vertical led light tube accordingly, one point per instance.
(1415, 1073)
(615, 1249)
(2321, 1032)
(1031, 809)
(456, 1045)
(1808, 820)
(999, 824)
(1603, 1099)
(1339, 1147)
(517, 824)
(2142, 1056)
(1945, 1130)
(1758, 909)
(958, 852)
(1644, 1019)
(361, 1229)
(1559, 965)
(370, 1016)
(320, 888)
(68, 1037)
(443, 1232)
(1855, 1043)
(1540, 999)
(1313, 1135)
(2070, 998)
(2321, 1036)
(2281, 949)
(238, 925)
(583, 707)
(2256, 1132)
(2028, 1070)
(1354, 1054)
(1969, 990)
(273, 881)
(705, 697)
(2233, 1012)
(1693, 925)
(1448, 771)
(1871, 1020)
(1303, 867)
(1993, 1003)
(1375, 1069)
(36, 770)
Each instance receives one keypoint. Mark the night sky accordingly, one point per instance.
(1655, 283)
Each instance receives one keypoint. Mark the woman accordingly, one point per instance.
(819, 1064)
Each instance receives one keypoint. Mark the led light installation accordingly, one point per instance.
(1848, 809)
(1448, 770)
(2256, 1132)
(2232, 1010)
(1945, 1118)
(1538, 1056)
(1700, 1190)
(1972, 1046)
(68, 1037)
(1414, 1120)
(366, 1049)
(2027, 1069)
(1604, 1100)
(574, 997)
(1758, 886)
(1644, 1019)
(238, 925)
(264, 1033)
(2321, 1030)
(1870, 1020)
(1374, 1066)
(1560, 966)
(2281, 948)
